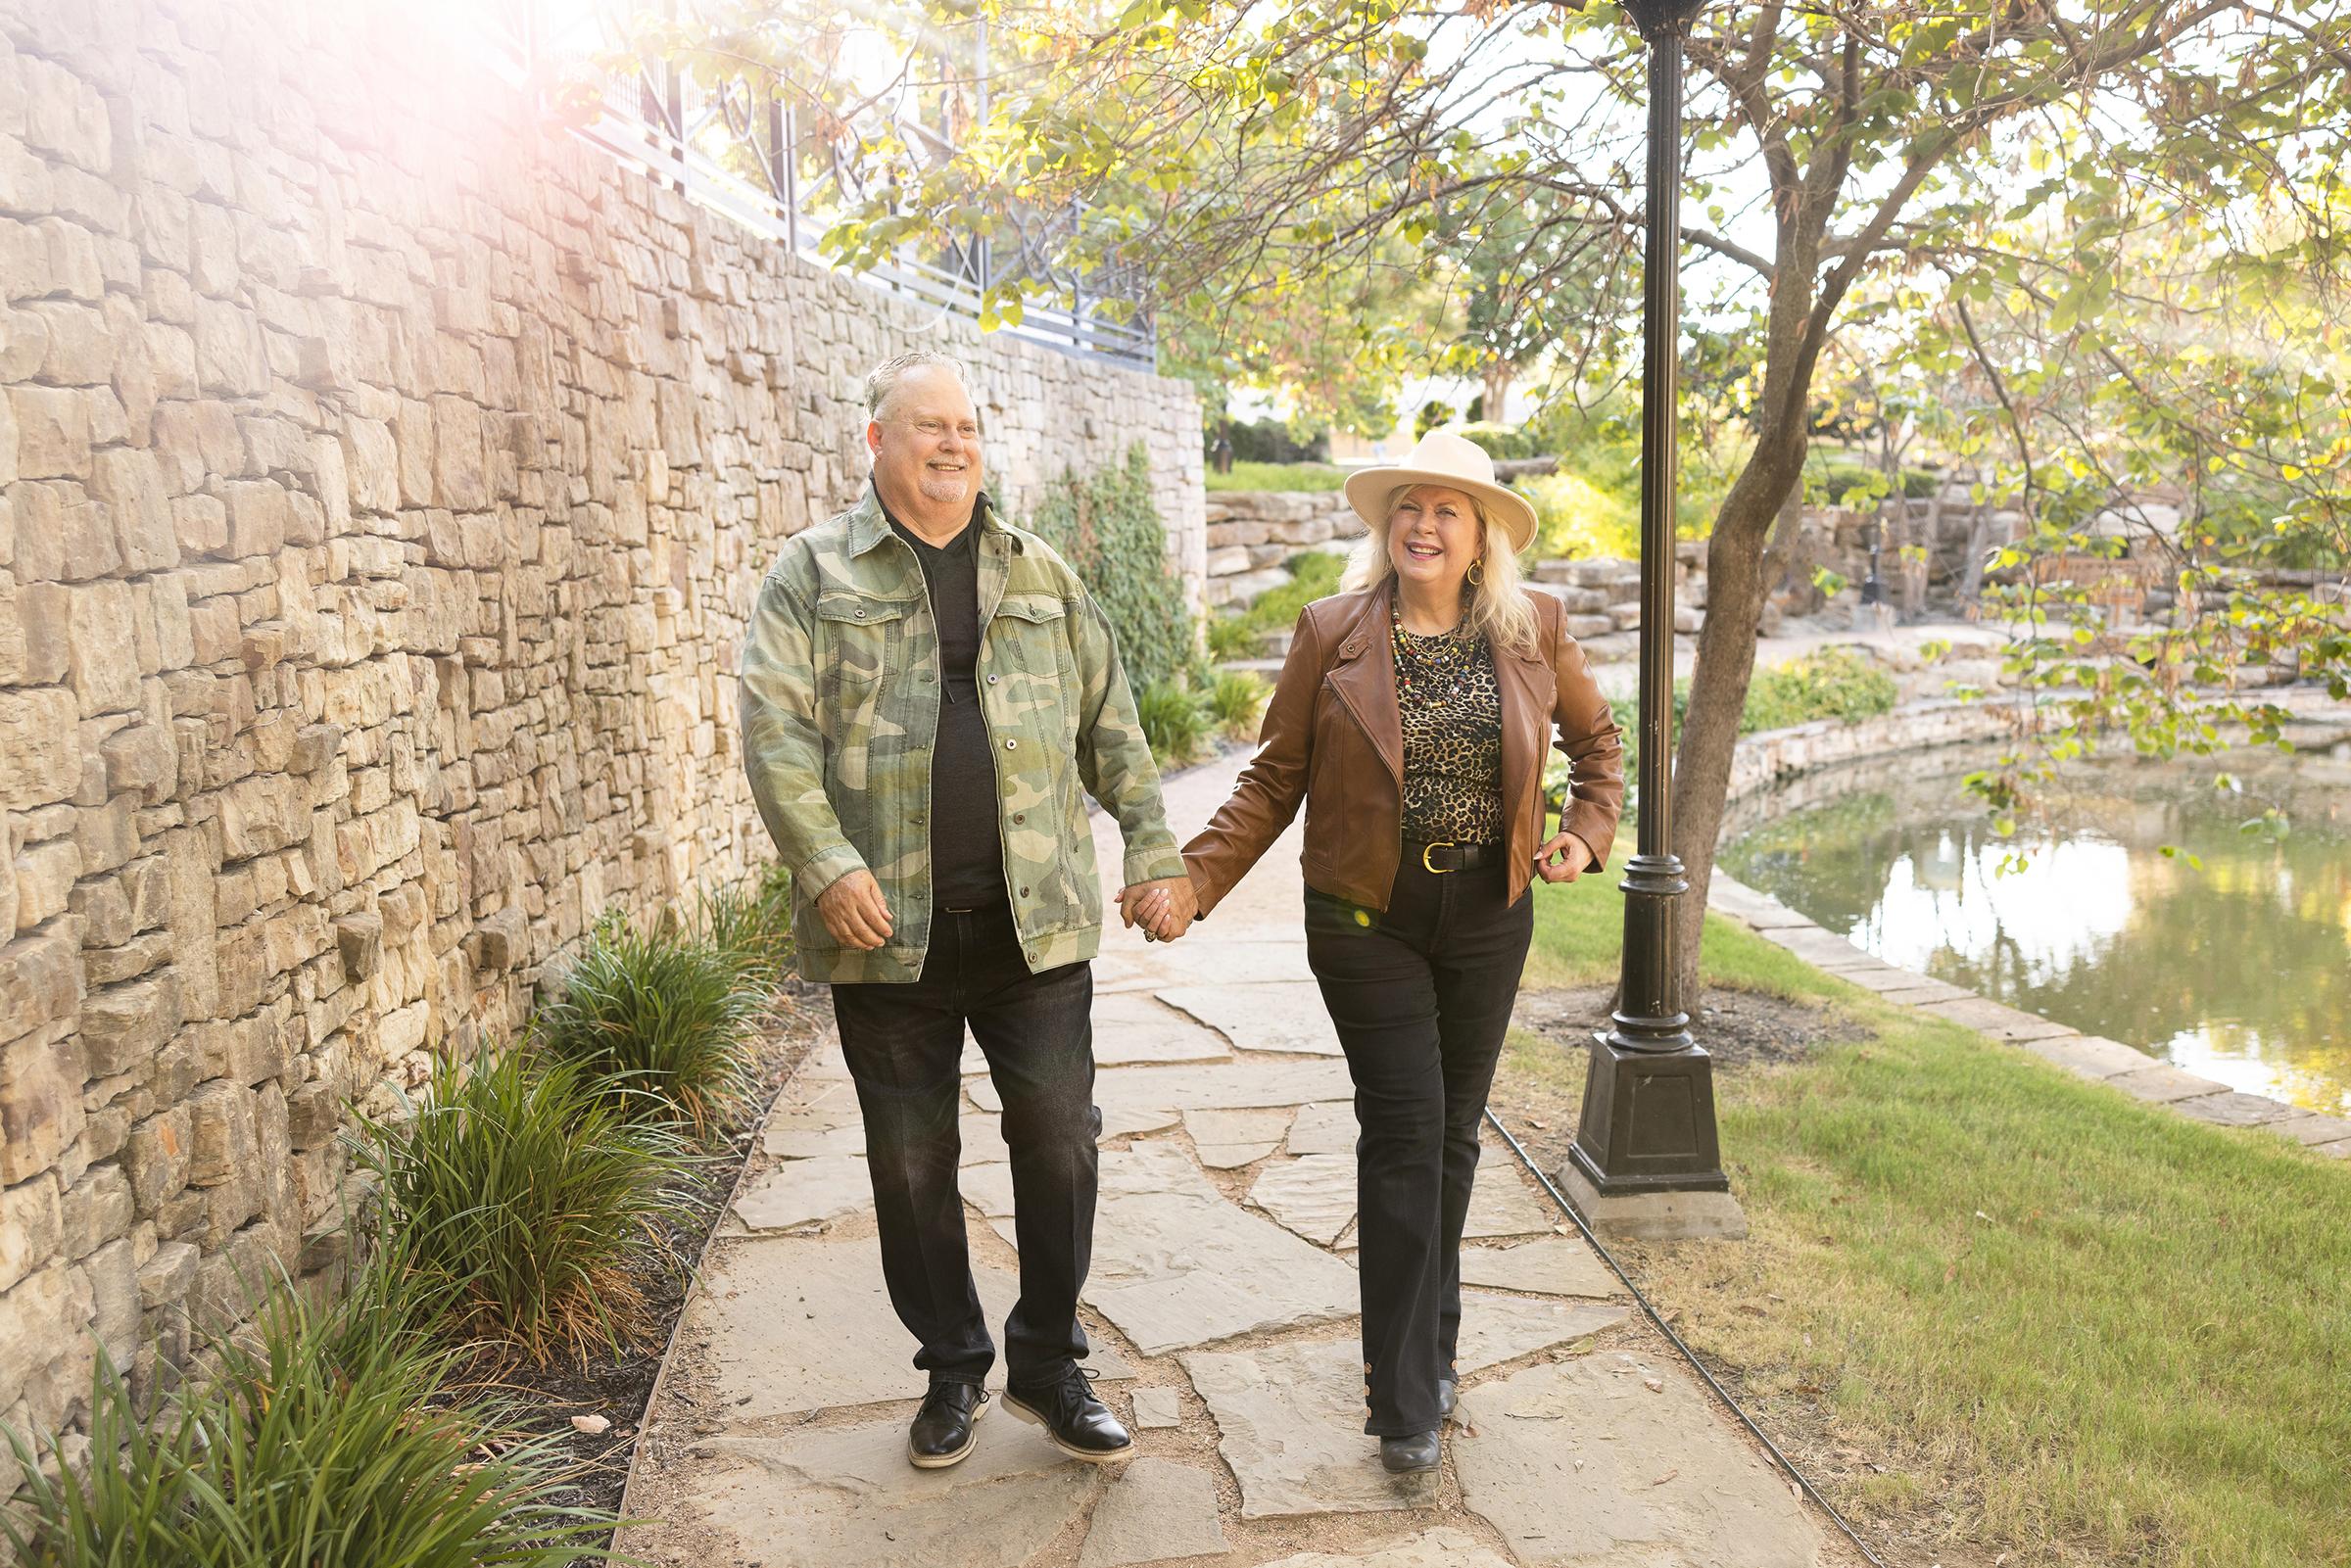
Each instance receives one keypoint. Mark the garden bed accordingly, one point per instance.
(618, 1388)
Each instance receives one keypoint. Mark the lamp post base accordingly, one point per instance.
(1646, 1163)
(1660, 1214)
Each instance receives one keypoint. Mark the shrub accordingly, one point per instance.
(525, 1203)
(325, 1439)
(750, 922)
(1230, 637)
(1108, 528)
(1829, 683)
(660, 1020)
(1313, 575)
(1236, 698)
(1270, 441)
(1174, 722)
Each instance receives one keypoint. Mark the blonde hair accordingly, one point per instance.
(1499, 608)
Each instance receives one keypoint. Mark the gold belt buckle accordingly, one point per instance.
(1433, 870)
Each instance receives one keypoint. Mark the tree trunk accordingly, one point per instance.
(1736, 586)
(1497, 377)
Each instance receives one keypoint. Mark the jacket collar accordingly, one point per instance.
(869, 519)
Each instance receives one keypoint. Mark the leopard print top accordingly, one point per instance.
(1451, 704)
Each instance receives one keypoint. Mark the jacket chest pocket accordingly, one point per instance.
(860, 642)
(1028, 647)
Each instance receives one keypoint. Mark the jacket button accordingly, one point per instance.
(1012, 745)
(1018, 817)
(1024, 892)
(991, 679)
(861, 615)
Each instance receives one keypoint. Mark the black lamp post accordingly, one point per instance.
(1646, 1160)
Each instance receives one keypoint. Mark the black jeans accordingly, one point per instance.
(904, 1044)
(1421, 996)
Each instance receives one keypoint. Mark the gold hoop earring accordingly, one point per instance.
(1477, 571)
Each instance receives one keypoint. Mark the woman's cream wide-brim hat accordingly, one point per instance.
(1454, 461)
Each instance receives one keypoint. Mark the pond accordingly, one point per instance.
(2239, 969)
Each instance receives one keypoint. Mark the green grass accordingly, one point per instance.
(1237, 697)
(1278, 476)
(1176, 722)
(2089, 1329)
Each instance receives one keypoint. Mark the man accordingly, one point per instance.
(925, 690)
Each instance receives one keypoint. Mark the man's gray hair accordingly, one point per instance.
(884, 380)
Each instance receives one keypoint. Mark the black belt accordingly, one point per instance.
(1446, 855)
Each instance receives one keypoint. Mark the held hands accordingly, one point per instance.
(1563, 858)
(853, 912)
(1165, 907)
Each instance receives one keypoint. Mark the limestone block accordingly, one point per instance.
(39, 1317)
(102, 664)
(95, 1210)
(500, 941)
(142, 757)
(258, 517)
(40, 758)
(359, 936)
(45, 875)
(64, 116)
(167, 1277)
(52, 432)
(124, 1026)
(156, 1158)
(40, 981)
(30, 1227)
(221, 1136)
(41, 1075)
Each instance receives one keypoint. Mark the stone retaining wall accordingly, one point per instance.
(384, 476)
(1251, 533)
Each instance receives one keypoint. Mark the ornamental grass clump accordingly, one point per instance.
(325, 1435)
(750, 922)
(529, 1206)
(661, 1022)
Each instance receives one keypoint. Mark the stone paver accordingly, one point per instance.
(1157, 1410)
(1283, 1016)
(1291, 1420)
(1553, 1267)
(1996, 1018)
(1227, 1139)
(2093, 1056)
(2233, 1108)
(1315, 1196)
(1227, 1086)
(802, 1323)
(1326, 1128)
(1436, 1548)
(2164, 1083)
(1156, 1510)
(802, 1192)
(1584, 1462)
(1823, 948)
(833, 1497)
(2311, 1127)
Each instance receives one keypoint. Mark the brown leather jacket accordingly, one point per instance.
(1333, 739)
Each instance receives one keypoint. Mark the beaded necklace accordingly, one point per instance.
(1431, 668)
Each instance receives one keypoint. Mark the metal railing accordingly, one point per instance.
(741, 154)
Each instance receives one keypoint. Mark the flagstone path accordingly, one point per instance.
(1222, 1306)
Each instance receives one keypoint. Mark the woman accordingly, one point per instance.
(1412, 719)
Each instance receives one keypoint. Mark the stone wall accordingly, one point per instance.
(1251, 533)
(384, 476)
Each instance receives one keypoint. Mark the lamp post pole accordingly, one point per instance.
(1646, 1160)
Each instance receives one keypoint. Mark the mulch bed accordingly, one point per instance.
(618, 1388)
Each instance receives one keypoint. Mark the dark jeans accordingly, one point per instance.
(1421, 996)
(903, 1043)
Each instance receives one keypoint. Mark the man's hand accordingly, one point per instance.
(1165, 907)
(1563, 858)
(853, 912)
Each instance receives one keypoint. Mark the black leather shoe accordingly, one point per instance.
(947, 1425)
(1405, 1454)
(1079, 1425)
(1447, 1389)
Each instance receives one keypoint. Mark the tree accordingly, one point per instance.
(1237, 155)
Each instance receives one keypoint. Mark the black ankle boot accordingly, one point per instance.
(947, 1425)
(1079, 1425)
(1414, 1452)
(1448, 1392)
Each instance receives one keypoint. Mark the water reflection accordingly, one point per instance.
(2241, 970)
